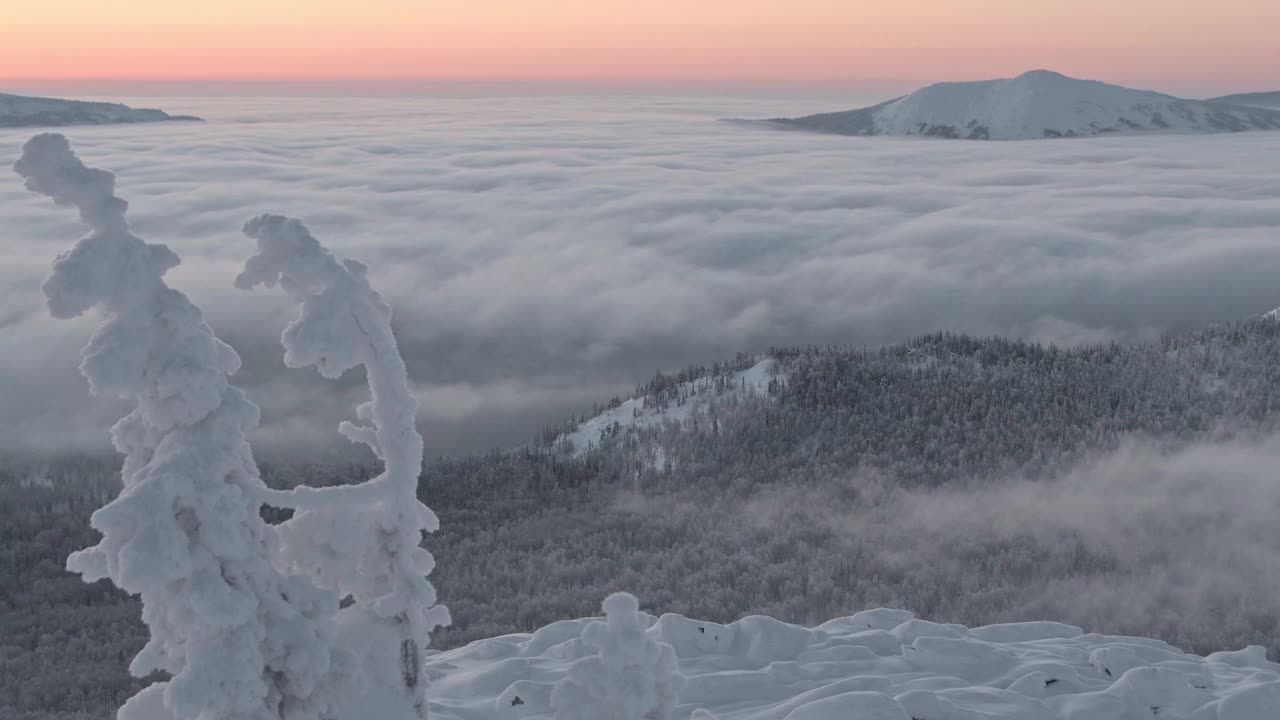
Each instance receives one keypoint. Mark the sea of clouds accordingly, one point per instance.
(545, 253)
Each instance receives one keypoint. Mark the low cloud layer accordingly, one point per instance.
(545, 253)
(1180, 546)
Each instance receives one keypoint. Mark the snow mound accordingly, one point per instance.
(639, 412)
(1037, 104)
(759, 668)
(630, 675)
(23, 111)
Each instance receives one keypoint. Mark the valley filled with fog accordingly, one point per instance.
(546, 253)
(980, 382)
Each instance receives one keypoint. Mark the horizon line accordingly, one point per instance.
(886, 84)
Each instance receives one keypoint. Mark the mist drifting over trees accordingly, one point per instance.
(1081, 484)
(1122, 488)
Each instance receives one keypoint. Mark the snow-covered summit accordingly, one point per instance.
(23, 111)
(1036, 104)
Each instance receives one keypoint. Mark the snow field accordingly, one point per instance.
(875, 665)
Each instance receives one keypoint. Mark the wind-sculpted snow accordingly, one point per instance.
(877, 665)
(239, 639)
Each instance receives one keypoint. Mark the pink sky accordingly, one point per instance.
(1178, 45)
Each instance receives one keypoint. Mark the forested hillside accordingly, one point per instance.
(803, 502)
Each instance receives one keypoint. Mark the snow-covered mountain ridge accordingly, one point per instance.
(22, 111)
(1037, 104)
(1257, 99)
(674, 404)
(877, 665)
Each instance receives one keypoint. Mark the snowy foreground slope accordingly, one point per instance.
(22, 111)
(1037, 104)
(878, 665)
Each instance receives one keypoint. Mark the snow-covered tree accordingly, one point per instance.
(631, 676)
(362, 541)
(239, 639)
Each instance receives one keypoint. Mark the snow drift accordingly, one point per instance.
(1037, 104)
(876, 665)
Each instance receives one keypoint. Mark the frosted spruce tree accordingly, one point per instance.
(239, 639)
(362, 541)
(631, 676)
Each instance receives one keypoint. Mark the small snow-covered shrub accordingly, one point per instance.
(631, 676)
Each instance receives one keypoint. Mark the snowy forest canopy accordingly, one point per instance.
(970, 480)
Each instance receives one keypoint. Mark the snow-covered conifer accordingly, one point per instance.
(363, 541)
(239, 639)
(631, 676)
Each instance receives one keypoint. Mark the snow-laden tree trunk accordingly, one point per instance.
(362, 541)
(240, 640)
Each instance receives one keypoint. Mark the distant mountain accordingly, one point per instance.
(1037, 104)
(22, 111)
(1258, 99)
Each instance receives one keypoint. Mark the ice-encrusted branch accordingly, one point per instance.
(362, 541)
(239, 639)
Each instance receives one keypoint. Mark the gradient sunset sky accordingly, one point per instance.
(1176, 45)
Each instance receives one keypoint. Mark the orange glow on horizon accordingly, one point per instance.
(1230, 41)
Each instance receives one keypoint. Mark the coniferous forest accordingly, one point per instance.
(808, 499)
